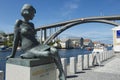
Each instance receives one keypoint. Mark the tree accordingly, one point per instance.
(3, 33)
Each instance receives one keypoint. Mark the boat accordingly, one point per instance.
(99, 49)
(89, 48)
(4, 48)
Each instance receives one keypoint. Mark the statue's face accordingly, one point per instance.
(28, 14)
(31, 15)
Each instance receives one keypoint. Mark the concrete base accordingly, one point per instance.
(30, 69)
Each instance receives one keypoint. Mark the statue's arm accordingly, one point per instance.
(16, 39)
(33, 28)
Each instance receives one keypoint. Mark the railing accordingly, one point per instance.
(83, 62)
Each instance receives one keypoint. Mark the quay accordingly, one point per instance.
(108, 70)
(81, 67)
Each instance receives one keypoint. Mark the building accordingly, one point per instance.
(116, 39)
(96, 44)
(72, 43)
(88, 43)
(63, 43)
(75, 42)
(2, 39)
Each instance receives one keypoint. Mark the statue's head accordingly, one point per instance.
(28, 11)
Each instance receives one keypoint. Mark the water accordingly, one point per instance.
(64, 53)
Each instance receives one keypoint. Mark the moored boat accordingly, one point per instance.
(4, 48)
(99, 49)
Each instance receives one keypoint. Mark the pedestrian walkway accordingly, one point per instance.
(110, 70)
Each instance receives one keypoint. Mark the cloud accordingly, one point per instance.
(69, 7)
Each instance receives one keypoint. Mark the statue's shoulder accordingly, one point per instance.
(32, 25)
(18, 23)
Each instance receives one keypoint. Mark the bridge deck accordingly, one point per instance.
(110, 70)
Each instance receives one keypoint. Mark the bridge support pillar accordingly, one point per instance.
(45, 34)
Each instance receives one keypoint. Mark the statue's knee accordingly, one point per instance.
(54, 50)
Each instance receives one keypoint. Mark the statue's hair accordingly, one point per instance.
(26, 9)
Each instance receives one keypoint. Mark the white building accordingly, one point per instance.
(116, 39)
(88, 43)
(70, 43)
(2, 39)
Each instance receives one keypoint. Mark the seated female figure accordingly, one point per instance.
(24, 34)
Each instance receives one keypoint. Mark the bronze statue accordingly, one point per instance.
(24, 34)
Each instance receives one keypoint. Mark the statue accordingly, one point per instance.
(24, 34)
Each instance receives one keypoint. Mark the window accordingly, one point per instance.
(118, 33)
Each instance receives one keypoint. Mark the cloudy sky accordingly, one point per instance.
(53, 11)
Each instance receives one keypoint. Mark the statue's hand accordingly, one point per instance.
(10, 56)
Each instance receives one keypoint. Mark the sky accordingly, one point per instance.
(54, 11)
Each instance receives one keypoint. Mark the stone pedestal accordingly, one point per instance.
(30, 69)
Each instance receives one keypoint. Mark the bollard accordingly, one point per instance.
(103, 56)
(90, 60)
(100, 56)
(64, 64)
(107, 53)
(85, 61)
(79, 62)
(1, 75)
(73, 65)
(112, 53)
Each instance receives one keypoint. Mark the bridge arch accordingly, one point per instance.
(67, 26)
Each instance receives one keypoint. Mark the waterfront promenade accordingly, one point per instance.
(109, 70)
